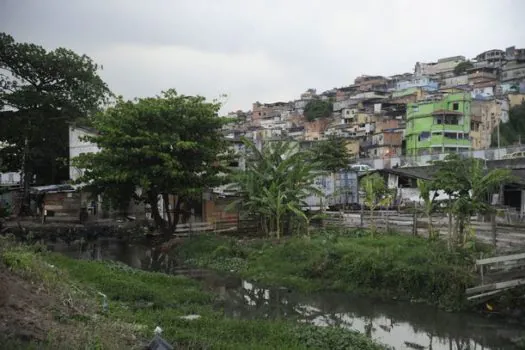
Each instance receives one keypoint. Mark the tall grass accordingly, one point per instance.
(397, 266)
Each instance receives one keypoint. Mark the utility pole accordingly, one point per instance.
(25, 207)
(498, 134)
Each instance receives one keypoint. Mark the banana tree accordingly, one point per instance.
(277, 178)
(425, 188)
(376, 195)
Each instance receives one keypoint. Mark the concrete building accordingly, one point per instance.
(11, 178)
(371, 83)
(491, 58)
(513, 71)
(482, 77)
(425, 83)
(442, 66)
(516, 99)
(439, 126)
(459, 80)
(386, 144)
(77, 146)
(315, 130)
(486, 116)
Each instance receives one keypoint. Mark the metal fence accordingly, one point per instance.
(423, 160)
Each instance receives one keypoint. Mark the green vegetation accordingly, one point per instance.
(513, 131)
(331, 154)
(318, 109)
(40, 93)
(274, 185)
(468, 184)
(429, 203)
(376, 194)
(139, 301)
(462, 67)
(165, 145)
(395, 266)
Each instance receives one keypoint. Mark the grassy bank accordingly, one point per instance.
(52, 302)
(394, 266)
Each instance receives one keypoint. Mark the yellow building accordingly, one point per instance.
(516, 99)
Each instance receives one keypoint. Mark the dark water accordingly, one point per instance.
(398, 324)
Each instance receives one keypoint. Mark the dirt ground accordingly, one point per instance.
(24, 309)
(31, 316)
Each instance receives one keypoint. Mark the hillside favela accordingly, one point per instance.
(385, 213)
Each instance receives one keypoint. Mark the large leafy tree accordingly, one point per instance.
(40, 92)
(331, 154)
(462, 67)
(317, 109)
(165, 145)
(273, 188)
(468, 183)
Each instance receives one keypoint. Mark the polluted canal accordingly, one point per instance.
(400, 325)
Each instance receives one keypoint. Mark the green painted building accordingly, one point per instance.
(438, 126)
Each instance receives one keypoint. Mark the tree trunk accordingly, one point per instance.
(494, 229)
(430, 228)
(449, 223)
(159, 220)
(176, 213)
(372, 220)
(166, 200)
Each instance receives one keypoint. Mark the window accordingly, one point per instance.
(455, 106)
(424, 136)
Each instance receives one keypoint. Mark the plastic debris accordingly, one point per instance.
(105, 304)
(158, 343)
(190, 317)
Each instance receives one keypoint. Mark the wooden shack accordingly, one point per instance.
(61, 203)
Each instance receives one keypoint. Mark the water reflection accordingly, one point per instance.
(400, 325)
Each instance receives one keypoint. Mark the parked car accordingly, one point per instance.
(361, 167)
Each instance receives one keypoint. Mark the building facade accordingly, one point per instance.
(439, 126)
(78, 146)
(442, 66)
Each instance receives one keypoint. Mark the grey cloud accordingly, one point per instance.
(280, 48)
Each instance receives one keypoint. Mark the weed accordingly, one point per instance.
(139, 301)
(346, 260)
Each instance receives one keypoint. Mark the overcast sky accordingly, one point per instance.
(261, 50)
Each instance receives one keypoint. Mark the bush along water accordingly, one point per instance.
(394, 266)
(138, 301)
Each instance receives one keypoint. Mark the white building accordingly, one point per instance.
(10, 178)
(77, 146)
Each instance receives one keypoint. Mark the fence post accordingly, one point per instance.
(494, 229)
(414, 222)
(481, 269)
(387, 222)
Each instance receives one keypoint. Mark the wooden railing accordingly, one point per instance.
(498, 274)
(508, 237)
